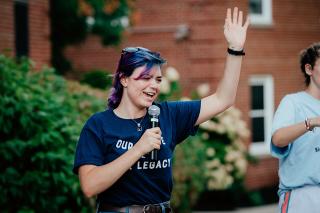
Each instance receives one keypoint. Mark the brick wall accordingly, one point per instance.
(6, 27)
(262, 174)
(39, 30)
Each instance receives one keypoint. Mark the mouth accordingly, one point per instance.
(150, 94)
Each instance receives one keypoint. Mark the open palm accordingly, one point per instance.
(234, 31)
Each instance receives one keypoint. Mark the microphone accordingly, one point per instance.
(154, 112)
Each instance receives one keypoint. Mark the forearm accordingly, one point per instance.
(225, 95)
(227, 89)
(286, 135)
(95, 179)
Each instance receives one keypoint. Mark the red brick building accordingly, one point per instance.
(189, 34)
(25, 29)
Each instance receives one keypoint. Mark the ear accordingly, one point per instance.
(124, 81)
(308, 69)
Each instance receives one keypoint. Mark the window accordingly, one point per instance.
(21, 27)
(260, 12)
(261, 113)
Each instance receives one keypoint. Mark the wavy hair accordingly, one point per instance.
(309, 56)
(128, 62)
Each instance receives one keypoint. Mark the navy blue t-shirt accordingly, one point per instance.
(105, 137)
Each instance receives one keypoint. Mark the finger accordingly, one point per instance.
(157, 146)
(156, 136)
(228, 18)
(240, 18)
(156, 130)
(235, 15)
(156, 143)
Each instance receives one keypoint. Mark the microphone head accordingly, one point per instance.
(154, 111)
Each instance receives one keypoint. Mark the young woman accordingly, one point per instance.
(112, 157)
(296, 140)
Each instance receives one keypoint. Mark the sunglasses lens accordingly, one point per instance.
(143, 49)
(135, 49)
(130, 49)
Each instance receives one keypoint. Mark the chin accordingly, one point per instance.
(147, 104)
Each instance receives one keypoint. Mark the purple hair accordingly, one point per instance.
(128, 62)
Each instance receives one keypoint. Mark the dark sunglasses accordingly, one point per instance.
(140, 49)
(135, 49)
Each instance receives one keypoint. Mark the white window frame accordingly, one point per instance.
(265, 18)
(263, 147)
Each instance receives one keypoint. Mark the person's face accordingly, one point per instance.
(315, 74)
(143, 90)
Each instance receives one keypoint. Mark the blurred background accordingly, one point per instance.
(56, 62)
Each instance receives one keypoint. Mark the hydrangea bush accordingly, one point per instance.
(226, 154)
(214, 159)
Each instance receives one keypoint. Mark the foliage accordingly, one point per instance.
(188, 166)
(73, 20)
(214, 159)
(226, 154)
(98, 79)
(39, 126)
(188, 170)
(170, 88)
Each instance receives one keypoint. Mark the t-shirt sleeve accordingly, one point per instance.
(284, 116)
(89, 148)
(185, 114)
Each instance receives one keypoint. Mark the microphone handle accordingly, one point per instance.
(154, 153)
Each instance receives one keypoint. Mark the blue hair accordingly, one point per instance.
(128, 62)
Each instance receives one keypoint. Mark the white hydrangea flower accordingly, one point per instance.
(165, 86)
(90, 21)
(213, 164)
(229, 167)
(203, 90)
(184, 98)
(241, 165)
(242, 129)
(229, 180)
(209, 125)
(211, 152)
(172, 74)
(205, 136)
(219, 179)
(232, 156)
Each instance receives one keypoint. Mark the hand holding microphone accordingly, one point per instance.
(154, 113)
(150, 140)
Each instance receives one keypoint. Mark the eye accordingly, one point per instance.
(159, 80)
(146, 78)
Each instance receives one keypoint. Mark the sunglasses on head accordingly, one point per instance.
(134, 49)
(140, 49)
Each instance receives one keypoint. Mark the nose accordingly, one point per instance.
(155, 84)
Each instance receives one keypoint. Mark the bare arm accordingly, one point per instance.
(95, 179)
(286, 135)
(224, 97)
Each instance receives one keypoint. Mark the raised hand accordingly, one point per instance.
(234, 31)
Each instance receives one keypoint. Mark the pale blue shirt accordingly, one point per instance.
(299, 162)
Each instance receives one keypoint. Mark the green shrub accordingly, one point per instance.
(188, 174)
(40, 122)
(97, 79)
